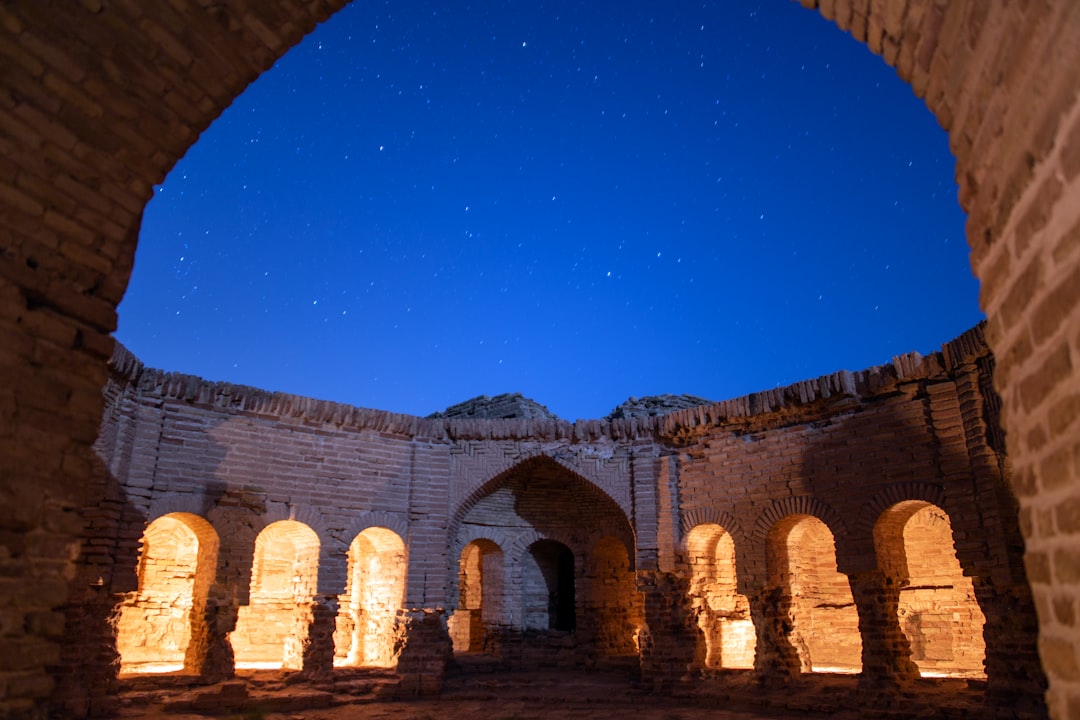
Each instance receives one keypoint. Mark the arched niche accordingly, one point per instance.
(723, 615)
(374, 592)
(824, 628)
(937, 608)
(159, 625)
(271, 629)
(480, 588)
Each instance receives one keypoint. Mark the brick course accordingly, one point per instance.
(99, 99)
(786, 476)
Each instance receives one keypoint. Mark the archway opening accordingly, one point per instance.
(549, 587)
(723, 615)
(161, 625)
(271, 629)
(480, 585)
(937, 608)
(611, 599)
(374, 592)
(824, 628)
(564, 542)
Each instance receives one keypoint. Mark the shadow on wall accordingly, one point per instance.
(909, 491)
(542, 550)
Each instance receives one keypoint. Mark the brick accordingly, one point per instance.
(1035, 388)
(1037, 214)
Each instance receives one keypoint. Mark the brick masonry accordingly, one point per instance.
(843, 451)
(99, 98)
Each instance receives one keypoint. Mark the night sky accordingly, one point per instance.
(428, 201)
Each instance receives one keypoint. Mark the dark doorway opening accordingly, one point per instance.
(556, 563)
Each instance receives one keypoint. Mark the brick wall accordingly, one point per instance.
(99, 99)
(796, 541)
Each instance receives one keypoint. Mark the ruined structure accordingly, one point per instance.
(859, 523)
(99, 98)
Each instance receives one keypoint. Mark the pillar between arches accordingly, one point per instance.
(318, 653)
(886, 652)
(209, 649)
(423, 649)
(1013, 672)
(776, 660)
(668, 639)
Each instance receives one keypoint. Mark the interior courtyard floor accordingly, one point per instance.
(554, 693)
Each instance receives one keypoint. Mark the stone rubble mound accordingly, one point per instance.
(499, 407)
(654, 406)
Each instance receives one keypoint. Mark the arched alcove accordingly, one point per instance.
(157, 624)
(480, 587)
(723, 614)
(938, 610)
(550, 520)
(824, 620)
(271, 629)
(83, 154)
(375, 589)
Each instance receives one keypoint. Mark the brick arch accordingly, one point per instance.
(536, 457)
(709, 515)
(107, 97)
(166, 582)
(472, 534)
(331, 565)
(525, 540)
(333, 555)
(486, 487)
(757, 549)
(797, 505)
(375, 518)
(863, 527)
(463, 539)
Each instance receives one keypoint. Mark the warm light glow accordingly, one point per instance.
(722, 613)
(825, 621)
(938, 611)
(612, 601)
(176, 566)
(272, 628)
(374, 593)
(480, 585)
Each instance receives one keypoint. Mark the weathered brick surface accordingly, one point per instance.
(98, 100)
(791, 485)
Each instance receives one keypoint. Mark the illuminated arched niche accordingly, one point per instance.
(824, 620)
(722, 613)
(480, 583)
(938, 611)
(272, 628)
(374, 592)
(157, 624)
(611, 598)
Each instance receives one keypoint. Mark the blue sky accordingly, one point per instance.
(427, 201)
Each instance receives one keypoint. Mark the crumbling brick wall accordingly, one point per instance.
(100, 99)
(787, 548)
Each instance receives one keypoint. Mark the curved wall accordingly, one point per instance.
(100, 98)
(844, 449)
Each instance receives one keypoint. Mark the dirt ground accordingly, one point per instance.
(556, 694)
(537, 695)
